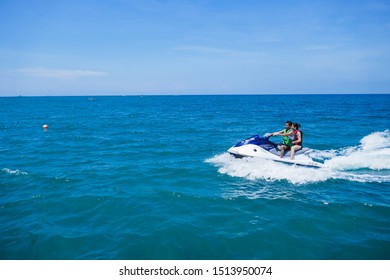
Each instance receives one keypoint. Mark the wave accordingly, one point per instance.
(14, 172)
(367, 162)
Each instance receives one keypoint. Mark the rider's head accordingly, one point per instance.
(296, 125)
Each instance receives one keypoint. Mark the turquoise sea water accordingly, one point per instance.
(149, 178)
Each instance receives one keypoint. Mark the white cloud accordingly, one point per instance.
(229, 54)
(59, 73)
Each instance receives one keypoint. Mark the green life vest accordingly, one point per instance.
(286, 140)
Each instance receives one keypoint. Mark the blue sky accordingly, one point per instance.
(193, 47)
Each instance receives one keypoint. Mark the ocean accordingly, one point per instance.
(149, 178)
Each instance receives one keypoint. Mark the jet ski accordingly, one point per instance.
(262, 147)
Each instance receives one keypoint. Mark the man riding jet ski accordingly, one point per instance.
(262, 147)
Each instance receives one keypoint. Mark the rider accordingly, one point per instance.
(298, 138)
(288, 137)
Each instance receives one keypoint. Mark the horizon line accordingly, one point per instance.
(187, 94)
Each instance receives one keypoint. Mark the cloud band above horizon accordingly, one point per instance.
(59, 73)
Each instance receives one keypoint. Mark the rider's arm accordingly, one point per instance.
(277, 133)
(285, 134)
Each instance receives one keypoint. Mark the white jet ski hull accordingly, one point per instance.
(246, 149)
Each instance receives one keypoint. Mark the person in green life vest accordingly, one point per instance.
(288, 135)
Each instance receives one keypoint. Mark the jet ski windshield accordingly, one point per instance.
(262, 142)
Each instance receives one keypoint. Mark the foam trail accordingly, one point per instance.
(268, 170)
(372, 153)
